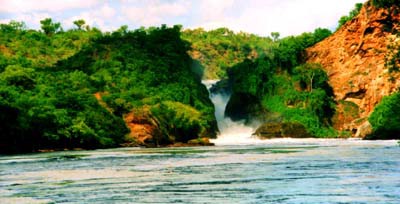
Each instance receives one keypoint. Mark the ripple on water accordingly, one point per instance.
(290, 171)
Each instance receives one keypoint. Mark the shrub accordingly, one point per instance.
(385, 119)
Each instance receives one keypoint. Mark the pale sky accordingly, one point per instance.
(289, 17)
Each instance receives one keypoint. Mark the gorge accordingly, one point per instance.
(177, 114)
(230, 132)
(88, 89)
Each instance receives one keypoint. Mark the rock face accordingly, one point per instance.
(354, 58)
(364, 130)
(281, 130)
(143, 128)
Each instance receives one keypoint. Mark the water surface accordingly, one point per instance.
(275, 171)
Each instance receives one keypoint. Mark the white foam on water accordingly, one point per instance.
(231, 132)
(23, 200)
(237, 133)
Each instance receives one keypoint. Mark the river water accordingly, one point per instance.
(240, 169)
(273, 171)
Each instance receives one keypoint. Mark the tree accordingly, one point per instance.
(385, 119)
(15, 75)
(275, 35)
(123, 30)
(311, 76)
(79, 23)
(321, 33)
(13, 26)
(385, 3)
(353, 13)
(49, 27)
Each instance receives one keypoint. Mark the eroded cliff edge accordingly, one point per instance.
(357, 58)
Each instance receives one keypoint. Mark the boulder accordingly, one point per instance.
(364, 130)
(143, 128)
(281, 130)
(221, 87)
(203, 141)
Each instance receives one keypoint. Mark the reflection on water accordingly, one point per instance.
(276, 171)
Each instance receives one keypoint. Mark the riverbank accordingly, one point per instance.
(221, 141)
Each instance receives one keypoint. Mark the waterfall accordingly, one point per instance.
(231, 132)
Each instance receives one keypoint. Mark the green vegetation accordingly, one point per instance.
(290, 50)
(49, 79)
(349, 110)
(49, 27)
(73, 89)
(385, 119)
(220, 49)
(353, 13)
(283, 89)
(385, 3)
(392, 58)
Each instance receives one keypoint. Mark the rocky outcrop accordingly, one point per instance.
(281, 130)
(142, 125)
(143, 128)
(221, 87)
(364, 130)
(354, 58)
(203, 141)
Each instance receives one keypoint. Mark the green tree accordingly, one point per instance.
(79, 23)
(275, 35)
(49, 27)
(123, 29)
(385, 3)
(353, 13)
(311, 76)
(385, 119)
(321, 33)
(15, 75)
(219, 49)
(290, 52)
(13, 26)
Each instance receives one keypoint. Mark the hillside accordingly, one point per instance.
(84, 88)
(362, 62)
(281, 90)
(88, 89)
(216, 50)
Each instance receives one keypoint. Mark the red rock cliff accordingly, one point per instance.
(354, 58)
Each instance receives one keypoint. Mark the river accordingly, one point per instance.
(239, 169)
(274, 171)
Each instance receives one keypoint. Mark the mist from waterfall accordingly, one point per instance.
(231, 132)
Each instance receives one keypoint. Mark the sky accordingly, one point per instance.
(261, 17)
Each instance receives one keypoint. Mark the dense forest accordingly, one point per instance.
(283, 88)
(64, 89)
(267, 77)
(217, 50)
(278, 87)
(50, 80)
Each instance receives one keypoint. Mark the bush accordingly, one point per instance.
(385, 119)
(178, 122)
(385, 3)
(353, 13)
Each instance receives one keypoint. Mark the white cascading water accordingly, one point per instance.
(231, 132)
(237, 133)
